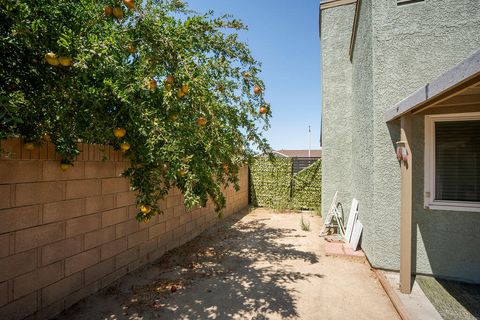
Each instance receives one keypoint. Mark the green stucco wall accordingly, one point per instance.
(336, 99)
(397, 50)
(362, 125)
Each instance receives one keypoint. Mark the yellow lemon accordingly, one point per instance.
(119, 132)
(52, 59)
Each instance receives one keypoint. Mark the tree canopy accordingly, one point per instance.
(174, 90)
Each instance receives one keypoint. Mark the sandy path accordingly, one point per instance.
(252, 266)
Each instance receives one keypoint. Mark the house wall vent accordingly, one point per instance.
(405, 2)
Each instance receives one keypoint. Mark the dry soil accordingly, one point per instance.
(257, 265)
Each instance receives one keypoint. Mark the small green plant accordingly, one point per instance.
(305, 225)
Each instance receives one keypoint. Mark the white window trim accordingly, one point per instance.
(429, 164)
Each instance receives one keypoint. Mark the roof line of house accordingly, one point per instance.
(278, 152)
(335, 3)
(459, 77)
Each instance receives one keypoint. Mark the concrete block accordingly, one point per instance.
(82, 188)
(98, 237)
(3, 293)
(39, 192)
(99, 203)
(59, 211)
(99, 270)
(5, 196)
(19, 218)
(20, 171)
(126, 228)
(126, 257)
(124, 199)
(114, 216)
(148, 246)
(73, 298)
(62, 288)
(137, 238)
(95, 169)
(114, 185)
(38, 236)
(83, 224)
(61, 249)
(113, 248)
(157, 230)
(37, 279)
(19, 309)
(107, 280)
(81, 261)
(17, 264)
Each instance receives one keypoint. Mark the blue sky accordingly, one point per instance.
(283, 35)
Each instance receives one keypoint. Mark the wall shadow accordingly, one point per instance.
(235, 269)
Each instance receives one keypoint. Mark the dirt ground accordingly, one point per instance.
(259, 265)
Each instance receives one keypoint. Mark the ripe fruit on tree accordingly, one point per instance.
(119, 132)
(125, 146)
(117, 12)
(202, 121)
(52, 59)
(129, 3)
(182, 173)
(170, 79)
(108, 10)
(185, 88)
(131, 49)
(65, 166)
(152, 85)
(145, 209)
(257, 90)
(65, 61)
(263, 109)
(180, 93)
(225, 167)
(29, 146)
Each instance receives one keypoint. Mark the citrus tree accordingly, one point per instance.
(176, 91)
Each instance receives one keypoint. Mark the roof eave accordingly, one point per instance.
(462, 75)
(334, 3)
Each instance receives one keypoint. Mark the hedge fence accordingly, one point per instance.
(273, 185)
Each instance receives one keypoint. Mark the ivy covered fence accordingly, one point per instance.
(274, 185)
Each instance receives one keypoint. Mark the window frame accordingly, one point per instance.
(429, 164)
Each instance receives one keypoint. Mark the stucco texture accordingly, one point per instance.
(397, 50)
(337, 111)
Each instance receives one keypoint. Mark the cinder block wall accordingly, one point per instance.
(65, 235)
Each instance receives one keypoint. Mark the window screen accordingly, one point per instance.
(457, 160)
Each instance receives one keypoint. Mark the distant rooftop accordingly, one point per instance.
(298, 153)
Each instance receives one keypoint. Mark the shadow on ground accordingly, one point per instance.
(241, 268)
(452, 299)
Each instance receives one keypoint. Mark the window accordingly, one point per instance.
(452, 162)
